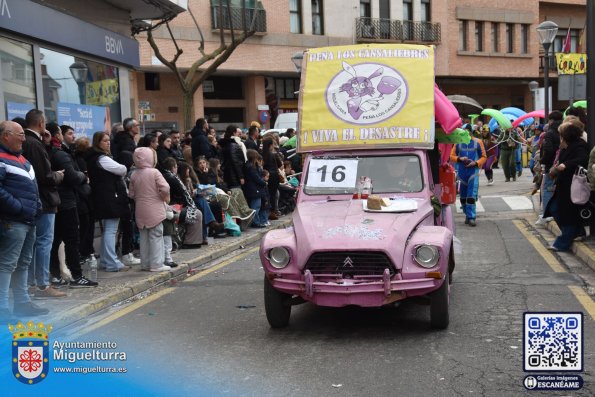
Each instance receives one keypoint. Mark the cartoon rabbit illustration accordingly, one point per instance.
(358, 88)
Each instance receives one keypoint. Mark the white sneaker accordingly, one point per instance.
(543, 221)
(162, 268)
(130, 259)
(490, 182)
(540, 221)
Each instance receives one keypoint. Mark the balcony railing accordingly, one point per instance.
(388, 30)
(236, 22)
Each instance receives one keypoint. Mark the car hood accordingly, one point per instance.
(345, 226)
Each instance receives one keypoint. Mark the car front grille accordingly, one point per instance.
(349, 264)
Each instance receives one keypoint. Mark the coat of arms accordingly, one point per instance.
(30, 351)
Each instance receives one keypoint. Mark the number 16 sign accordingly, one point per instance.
(332, 173)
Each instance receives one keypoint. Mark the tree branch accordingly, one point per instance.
(202, 38)
(170, 65)
(179, 51)
(224, 54)
(230, 21)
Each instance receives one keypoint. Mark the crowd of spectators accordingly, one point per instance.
(150, 193)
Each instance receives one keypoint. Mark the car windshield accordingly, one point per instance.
(341, 175)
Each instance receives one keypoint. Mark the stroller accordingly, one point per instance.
(587, 210)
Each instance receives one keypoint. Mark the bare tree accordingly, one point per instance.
(189, 80)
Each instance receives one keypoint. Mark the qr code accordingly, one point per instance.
(553, 342)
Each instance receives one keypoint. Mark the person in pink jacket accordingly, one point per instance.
(150, 192)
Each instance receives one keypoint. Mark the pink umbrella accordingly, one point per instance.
(535, 113)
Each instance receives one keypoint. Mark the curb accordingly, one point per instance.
(581, 250)
(156, 280)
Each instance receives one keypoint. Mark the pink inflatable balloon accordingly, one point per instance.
(445, 112)
(535, 113)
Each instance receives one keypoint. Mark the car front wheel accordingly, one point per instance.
(277, 306)
(439, 318)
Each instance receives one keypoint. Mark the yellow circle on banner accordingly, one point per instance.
(30, 343)
(18, 375)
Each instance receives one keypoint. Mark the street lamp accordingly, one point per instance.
(297, 59)
(547, 33)
(79, 74)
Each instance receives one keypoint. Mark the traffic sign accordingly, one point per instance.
(263, 116)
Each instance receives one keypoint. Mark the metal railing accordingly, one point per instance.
(236, 22)
(379, 29)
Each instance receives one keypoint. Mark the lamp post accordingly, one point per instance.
(547, 33)
(79, 74)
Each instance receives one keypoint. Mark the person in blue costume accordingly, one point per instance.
(469, 158)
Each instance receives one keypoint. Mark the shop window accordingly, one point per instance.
(224, 116)
(18, 80)
(79, 92)
(152, 82)
(286, 88)
(225, 87)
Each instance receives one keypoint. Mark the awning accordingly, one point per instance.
(145, 10)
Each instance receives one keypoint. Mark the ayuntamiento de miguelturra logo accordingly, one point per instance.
(30, 351)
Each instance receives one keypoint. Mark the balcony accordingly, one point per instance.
(386, 30)
(236, 21)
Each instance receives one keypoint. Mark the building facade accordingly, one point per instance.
(72, 59)
(484, 49)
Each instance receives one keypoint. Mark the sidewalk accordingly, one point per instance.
(584, 250)
(117, 287)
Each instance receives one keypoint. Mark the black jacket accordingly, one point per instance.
(109, 195)
(83, 204)
(200, 144)
(73, 178)
(177, 191)
(232, 162)
(250, 144)
(550, 145)
(47, 180)
(255, 185)
(122, 141)
(162, 154)
(577, 153)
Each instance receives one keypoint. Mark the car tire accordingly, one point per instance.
(276, 306)
(439, 300)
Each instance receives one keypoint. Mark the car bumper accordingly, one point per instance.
(344, 292)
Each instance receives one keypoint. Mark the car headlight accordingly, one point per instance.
(279, 257)
(426, 255)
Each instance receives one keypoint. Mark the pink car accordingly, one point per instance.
(338, 252)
